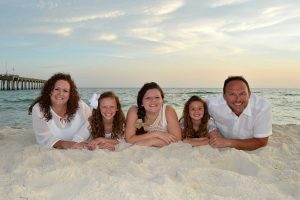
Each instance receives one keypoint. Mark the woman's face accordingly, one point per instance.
(60, 93)
(108, 108)
(196, 110)
(152, 101)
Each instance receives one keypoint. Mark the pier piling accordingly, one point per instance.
(15, 82)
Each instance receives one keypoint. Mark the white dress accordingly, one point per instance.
(160, 123)
(48, 133)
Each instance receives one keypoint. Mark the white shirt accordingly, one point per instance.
(48, 133)
(254, 122)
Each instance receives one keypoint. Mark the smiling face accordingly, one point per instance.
(196, 110)
(152, 101)
(108, 108)
(60, 94)
(237, 96)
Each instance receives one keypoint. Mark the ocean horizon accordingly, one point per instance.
(14, 104)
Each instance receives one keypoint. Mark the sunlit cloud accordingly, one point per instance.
(106, 37)
(63, 31)
(189, 36)
(164, 8)
(172, 46)
(268, 17)
(273, 11)
(219, 3)
(110, 14)
(149, 34)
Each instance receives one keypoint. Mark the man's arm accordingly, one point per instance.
(217, 141)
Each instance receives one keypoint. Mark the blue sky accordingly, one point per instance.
(177, 43)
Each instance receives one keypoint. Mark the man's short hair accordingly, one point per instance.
(235, 78)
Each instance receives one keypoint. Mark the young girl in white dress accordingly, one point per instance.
(106, 122)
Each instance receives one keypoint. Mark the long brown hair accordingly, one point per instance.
(141, 110)
(188, 130)
(45, 101)
(96, 119)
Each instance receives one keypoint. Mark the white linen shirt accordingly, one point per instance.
(48, 133)
(254, 122)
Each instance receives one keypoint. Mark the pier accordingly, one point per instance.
(16, 82)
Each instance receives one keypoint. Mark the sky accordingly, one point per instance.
(176, 43)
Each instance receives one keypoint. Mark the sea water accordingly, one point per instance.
(14, 104)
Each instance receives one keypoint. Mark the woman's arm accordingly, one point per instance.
(62, 144)
(83, 132)
(133, 138)
(43, 135)
(153, 142)
(196, 141)
(173, 124)
(46, 138)
(102, 143)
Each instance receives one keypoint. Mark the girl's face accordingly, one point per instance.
(196, 110)
(152, 101)
(60, 93)
(108, 108)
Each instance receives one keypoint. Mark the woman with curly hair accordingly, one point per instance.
(59, 117)
(195, 122)
(106, 122)
(151, 122)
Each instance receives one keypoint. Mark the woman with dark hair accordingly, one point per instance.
(195, 122)
(151, 122)
(59, 117)
(107, 121)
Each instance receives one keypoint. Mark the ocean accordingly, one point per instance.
(14, 104)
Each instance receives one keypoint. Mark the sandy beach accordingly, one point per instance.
(178, 171)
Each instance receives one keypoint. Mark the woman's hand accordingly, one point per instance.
(103, 143)
(80, 145)
(166, 137)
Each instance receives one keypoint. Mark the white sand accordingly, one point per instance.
(177, 171)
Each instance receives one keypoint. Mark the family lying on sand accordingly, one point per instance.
(236, 119)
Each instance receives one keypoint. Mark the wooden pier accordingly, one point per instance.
(15, 82)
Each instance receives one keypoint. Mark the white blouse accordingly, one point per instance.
(48, 133)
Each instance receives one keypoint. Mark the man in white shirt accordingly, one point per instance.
(243, 120)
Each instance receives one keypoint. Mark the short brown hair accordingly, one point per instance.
(235, 78)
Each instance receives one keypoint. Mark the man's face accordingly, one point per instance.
(237, 96)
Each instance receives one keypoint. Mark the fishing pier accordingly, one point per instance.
(16, 82)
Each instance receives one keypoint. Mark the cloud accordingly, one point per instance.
(220, 3)
(150, 34)
(109, 14)
(180, 37)
(41, 4)
(268, 17)
(107, 37)
(63, 31)
(164, 8)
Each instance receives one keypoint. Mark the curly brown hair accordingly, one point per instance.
(188, 130)
(96, 119)
(45, 101)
